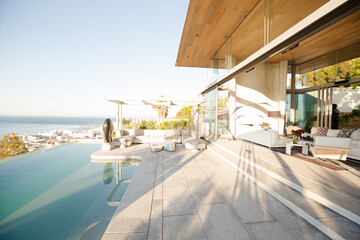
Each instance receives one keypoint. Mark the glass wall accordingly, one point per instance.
(223, 112)
(337, 72)
(210, 111)
(287, 110)
(306, 110)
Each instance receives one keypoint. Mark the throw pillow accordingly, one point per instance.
(355, 135)
(332, 133)
(313, 130)
(321, 131)
(345, 133)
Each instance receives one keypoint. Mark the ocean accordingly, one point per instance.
(32, 125)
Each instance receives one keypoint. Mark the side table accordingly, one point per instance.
(304, 147)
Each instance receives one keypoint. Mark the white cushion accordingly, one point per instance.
(157, 133)
(185, 132)
(355, 135)
(332, 133)
(325, 141)
(355, 143)
(170, 133)
(138, 132)
(313, 130)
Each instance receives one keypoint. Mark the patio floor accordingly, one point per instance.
(199, 195)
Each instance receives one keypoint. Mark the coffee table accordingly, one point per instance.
(157, 147)
(304, 147)
(170, 145)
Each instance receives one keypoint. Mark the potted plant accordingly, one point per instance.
(296, 135)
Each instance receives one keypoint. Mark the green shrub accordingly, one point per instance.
(150, 125)
(143, 125)
(164, 125)
(126, 123)
(133, 125)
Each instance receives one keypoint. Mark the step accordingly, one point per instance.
(345, 202)
(322, 213)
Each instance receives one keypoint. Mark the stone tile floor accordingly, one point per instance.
(194, 195)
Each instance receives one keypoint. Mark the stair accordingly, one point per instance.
(334, 213)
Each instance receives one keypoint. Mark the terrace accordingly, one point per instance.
(234, 190)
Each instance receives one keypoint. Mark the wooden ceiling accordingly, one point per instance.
(342, 34)
(208, 24)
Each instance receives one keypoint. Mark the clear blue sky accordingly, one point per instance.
(66, 57)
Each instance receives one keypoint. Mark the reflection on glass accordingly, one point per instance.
(337, 72)
(223, 113)
(210, 110)
(306, 110)
(287, 110)
(288, 81)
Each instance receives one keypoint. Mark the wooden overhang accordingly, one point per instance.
(321, 33)
(207, 26)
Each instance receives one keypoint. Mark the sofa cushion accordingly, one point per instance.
(177, 139)
(170, 133)
(138, 132)
(355, 135)
(332, 142)
(321, 131)
(156, 133)
(313, 130)
(345, 133)
(185, 132)
(355, 144)
(332, 133)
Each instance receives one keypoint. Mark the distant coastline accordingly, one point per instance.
(35, 124)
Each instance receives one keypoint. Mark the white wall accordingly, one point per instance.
(346, 98)
(258, 91)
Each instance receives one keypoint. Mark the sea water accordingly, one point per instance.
(33, 125)
(60, 193)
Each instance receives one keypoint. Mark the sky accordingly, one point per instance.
(65, 58)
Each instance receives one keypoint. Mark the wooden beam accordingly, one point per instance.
(331, 108)
(318, 110)
(326, 107)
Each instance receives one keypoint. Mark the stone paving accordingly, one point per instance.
(194, 195)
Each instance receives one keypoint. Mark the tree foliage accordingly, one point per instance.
(223, 103)
(11, 145)
(342, 71)
(185, 113)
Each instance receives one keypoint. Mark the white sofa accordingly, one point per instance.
(185, 136)
(331, 147)
(354, 139)
(269, 138)
(152, 136)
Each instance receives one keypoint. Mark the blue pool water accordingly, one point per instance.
(60, 194)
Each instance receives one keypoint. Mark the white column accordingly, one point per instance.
(121, 120)
(117, 126)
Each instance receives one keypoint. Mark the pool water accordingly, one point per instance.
(60, 194)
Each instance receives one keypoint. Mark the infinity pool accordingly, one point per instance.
(60, 194)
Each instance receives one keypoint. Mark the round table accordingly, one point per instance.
(170, 145)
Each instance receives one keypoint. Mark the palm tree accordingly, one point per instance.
(162, 110)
